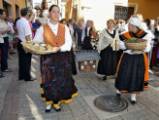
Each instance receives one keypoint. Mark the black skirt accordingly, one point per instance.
(73, 63)
(57, 82)
(130, 76)
(87, 44)
(108, 62)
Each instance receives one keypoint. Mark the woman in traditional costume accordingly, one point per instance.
(57, 82)
(90, 33)
(132, 71)
(108, 42)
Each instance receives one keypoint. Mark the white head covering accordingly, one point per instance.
(134, 20)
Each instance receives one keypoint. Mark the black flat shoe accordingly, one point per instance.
(56, 107)
(47, 110)
(57, 110)
(104, 78)
(118, 94)
(133, 102)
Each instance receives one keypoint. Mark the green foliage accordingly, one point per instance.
(134, 40)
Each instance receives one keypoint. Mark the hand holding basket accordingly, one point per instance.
(136, 44)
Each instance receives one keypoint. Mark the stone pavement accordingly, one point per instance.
(21, 100)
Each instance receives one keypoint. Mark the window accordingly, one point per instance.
(122, 12)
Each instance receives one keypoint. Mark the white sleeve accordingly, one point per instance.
(1, 39)
(68, 41)
(39, 38)
(148, 37)
(100, 41)
(27, 29)
(122, 45)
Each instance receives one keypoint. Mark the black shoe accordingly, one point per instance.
(133, 102)
(104, 78)
(47, 110)
(118, 94)
(57, 110)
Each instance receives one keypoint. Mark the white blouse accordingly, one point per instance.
(39, 37)
(3, 27)
(105, 40)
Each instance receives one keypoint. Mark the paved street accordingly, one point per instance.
(21, 100)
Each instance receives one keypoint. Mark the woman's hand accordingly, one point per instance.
(56, 49)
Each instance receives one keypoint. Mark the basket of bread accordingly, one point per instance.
(136, 44)
(37, 48)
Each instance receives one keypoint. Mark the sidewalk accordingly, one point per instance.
(21, 100)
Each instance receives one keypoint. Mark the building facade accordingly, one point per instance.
(60, 3)
(13, 7)
(101, 10)
(148, 8)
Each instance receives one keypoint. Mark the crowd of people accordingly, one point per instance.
(43, 25)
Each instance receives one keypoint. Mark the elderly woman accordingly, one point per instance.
(108, 46)
(132, 73)
(57, 82)
(90, 33)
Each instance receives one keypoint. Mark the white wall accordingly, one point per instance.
(38, 2)
(100, 10)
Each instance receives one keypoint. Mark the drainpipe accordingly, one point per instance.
(26, 3)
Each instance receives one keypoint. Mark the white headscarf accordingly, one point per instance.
(134, 20)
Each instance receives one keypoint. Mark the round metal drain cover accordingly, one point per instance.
(111, 103)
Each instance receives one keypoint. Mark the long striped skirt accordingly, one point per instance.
(57, 82)
(132, 73)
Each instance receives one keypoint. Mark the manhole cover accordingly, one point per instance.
(111, 103)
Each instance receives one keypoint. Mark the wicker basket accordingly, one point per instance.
(38, 49)
(138, 46)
